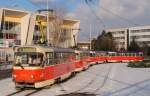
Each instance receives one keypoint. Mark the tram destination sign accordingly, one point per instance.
(26, 49)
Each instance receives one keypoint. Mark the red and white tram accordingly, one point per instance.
(82, 60)
(124, 56)
(41, 66)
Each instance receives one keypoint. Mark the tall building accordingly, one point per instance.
(18, 27)
(120, 37)
(123, 36)
(141, 35)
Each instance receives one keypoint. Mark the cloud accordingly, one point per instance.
(135, 11)
(126, 8)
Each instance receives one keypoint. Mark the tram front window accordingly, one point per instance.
(28, 59)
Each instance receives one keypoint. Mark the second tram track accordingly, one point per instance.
(14, 93)
(26, 94)
(92, 81)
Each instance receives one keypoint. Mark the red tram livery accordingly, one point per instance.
(41, 66)
(124, 56)
(82, 60)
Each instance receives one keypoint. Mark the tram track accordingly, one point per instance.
(14, 93)
(66, 93)
(36, 91)
(94, 79)
(89, 84)
(104, 81)
(26, 93)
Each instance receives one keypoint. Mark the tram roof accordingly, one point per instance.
(47, 48)
(124, 52)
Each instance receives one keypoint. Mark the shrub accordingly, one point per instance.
(139, 64)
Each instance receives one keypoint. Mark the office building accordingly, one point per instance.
(123, 36)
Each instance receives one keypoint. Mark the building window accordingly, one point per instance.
(11, 31)
(140, 30)
(138, 37)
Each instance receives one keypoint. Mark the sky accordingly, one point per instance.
(99, 15)
(123, 13)
(19, 4)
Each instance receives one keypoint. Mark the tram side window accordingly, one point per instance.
(36, 59)
(140, 54)
(62, 57)
(28, 59)
(56, 58)
(77, 56)
(118, 54)
(49, 58)
(126, 54)
(80, 56)
(71, 56)
(100, 54)
(65, 57)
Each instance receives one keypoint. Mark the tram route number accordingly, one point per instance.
(26, 49)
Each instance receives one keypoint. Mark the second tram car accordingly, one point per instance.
(124, 56)
(81, 62)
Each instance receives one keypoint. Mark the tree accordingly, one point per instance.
(105, 42)
(93, 44)
(146, 49)
(134, 46)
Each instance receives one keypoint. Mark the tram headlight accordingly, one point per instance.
(14, 76)
(32, 76)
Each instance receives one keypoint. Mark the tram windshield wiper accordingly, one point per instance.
(21, 66)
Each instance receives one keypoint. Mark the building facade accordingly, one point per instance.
(19, 27)
(123, 36)
(83, 45)
(120, 37)
(141, 35)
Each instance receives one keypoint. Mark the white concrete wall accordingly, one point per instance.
(126, 45)
(24, 28)
(1, 14)
(70, 39)
(75, 32)
(140, 34)
(31, 29)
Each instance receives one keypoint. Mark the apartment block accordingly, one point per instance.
(120, 37)
(123, 36)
